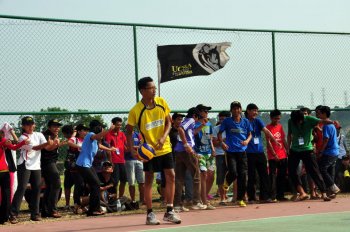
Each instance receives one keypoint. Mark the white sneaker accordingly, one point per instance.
(199, 206)
(179, 209)
(172, 217)
(152, 219)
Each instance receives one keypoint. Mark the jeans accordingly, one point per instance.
(257, 163)
(311, 166)
(327, 169)
(53, 187)
(90, 177)
(237, 169)
(185, 161)
(24, 175)
(278, 177)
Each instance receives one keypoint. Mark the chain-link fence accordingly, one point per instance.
(59, 67)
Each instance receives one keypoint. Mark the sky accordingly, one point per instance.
(71, 55)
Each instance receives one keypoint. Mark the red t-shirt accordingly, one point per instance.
(3, 146)
(318, 136)
(278, 133)
(118, 141)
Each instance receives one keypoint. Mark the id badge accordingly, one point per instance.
(117, 151)
(256, 140)
(301, 141)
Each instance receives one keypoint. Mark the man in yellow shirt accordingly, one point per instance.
(151, 116)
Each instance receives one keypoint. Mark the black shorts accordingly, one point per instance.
(68, 180)
(159, 163)
(119, 173)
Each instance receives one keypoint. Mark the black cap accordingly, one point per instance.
(81, 127)
(192, 111)
(235, 104)
(54, 122)
(202, 107)
(27, 120)
(177, 115)
(252, 106)
(95, 123)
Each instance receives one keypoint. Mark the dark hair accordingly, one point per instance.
(250, 106)
(305, 109)
(318, 107)
(225, 114)
(326, 110)
(296, 116)
(275, 113)
(116, 119)
(67, 129)
(142, 83)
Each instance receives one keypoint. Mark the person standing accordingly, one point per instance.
(343, 152)
(49, 170)
(277, 157)
(29, 169)
(84, 164)
(152, 117)
(238, 135)
(328, 152)
(300, 147)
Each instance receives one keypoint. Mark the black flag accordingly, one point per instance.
(181, 61)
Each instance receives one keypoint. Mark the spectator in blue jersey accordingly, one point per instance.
(187, 160)
(329, 152)
(205, 149)
(84, 164)
(257, 162)
(134, 172)
(238, 135)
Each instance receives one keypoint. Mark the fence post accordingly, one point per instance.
(274, 71)
(136, 64)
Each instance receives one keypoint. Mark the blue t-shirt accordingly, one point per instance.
(88, 151)
(236, 132)
(137, 141)
(203, 139)
(330, 133)
(256, 145)
(188, 125)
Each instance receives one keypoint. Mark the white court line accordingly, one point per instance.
(245, 220)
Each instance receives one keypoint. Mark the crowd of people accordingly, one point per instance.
(311, 160)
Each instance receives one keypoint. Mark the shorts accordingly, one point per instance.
(206, 162)
(159, 163)
(221, 169)
(119, 173)
(68, 179)
(134, 172)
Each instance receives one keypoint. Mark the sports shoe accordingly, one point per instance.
(198, 206)
(13, 219)
(152, 219)
(334, 188)
(171, 216)
(179, 209)
(241, 203)
(210, 207)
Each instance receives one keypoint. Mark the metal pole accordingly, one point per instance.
(274, 70)
(136, 64)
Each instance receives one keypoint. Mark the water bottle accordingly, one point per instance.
(119, 206)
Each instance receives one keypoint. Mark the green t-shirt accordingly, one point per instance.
(302, 132)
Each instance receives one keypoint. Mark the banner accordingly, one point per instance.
(181, 61)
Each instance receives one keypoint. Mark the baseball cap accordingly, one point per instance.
(235, 104)
(80, 127)
(337, 124)
(54, 122)
(177, 115)
(94, 123)
(27, 120)
(202, 107)
(107, 164)
(225, 114)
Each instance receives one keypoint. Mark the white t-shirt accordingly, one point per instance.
(7, 128)
(219, 150)
(30, 156)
